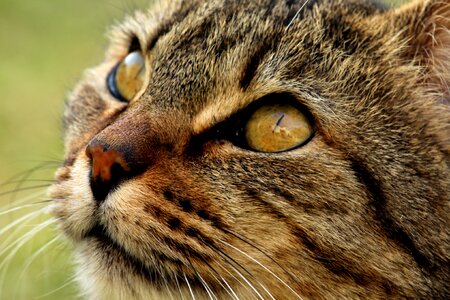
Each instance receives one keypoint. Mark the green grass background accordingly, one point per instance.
(44, 46)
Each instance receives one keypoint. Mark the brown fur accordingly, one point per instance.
(361, 211)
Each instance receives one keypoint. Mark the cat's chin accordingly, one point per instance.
(106, 274)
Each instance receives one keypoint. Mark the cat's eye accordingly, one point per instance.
(277, 127)
(127, 78)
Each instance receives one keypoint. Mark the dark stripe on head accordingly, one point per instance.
(268, 44)
(265, 46)
(167, 26)
(378, 199)
(253, 64)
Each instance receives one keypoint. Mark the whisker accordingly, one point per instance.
(220, 283)
(214, 271)
(178, 285)
(189, 286)
(19, 208)
(24, 199)
(296, 14)
(43, 201)
(260, 264)
(25, 238)
(49, 161)
(210, 293)
(21, 182)
(30, 216)
(163, 276)
(252, 243)
(227, 258)
(27, 180)
(4, 265)
(12, 236)
(24, 189)
(234, 277)
(68, 282)
(35, 255)
(205, 285)
(231, 289)
(24, 173)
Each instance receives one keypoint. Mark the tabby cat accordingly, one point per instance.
(263, 149)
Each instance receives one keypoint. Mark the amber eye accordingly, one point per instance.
(277, 127)
(127, 78)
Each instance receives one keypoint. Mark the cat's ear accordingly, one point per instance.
(425, 24)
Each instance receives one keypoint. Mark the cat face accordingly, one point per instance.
(261, 149)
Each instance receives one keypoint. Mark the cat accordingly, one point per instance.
(263, 149)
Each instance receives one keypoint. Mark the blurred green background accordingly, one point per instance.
(44, 46)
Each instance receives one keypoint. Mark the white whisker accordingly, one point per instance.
(244, 278)
(19, 208)
(25, 199)
(261, 265)
(296, 14)
(68, 282)
(189, 286)
(28, 217)
(25, 238)
(230, 288)
(207, 288)
(225, 287)
(36, 254)
(178, 285)
(163, 276)
(18, 244)
(236, 279)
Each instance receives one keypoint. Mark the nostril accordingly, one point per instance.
(108, 168)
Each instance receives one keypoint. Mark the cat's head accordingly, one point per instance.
(258, 149)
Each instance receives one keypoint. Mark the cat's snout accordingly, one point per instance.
(108, 168)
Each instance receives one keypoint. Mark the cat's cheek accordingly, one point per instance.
(73, 203)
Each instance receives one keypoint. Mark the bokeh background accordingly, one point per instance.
(44, 46)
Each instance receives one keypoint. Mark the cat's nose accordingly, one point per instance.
(123, 150)
(109, 167)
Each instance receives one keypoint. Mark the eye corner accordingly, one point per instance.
(134, 44)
